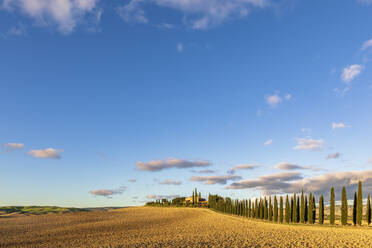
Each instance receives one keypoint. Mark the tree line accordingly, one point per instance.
(298, 208)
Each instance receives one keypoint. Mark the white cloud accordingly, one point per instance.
(367, 44)
(108, 192)
(171, 182)
(180, 47)
(309, 144)
(273, 100)
(201, 13)
(13, 146)
(339, 125)
(158, 165)
(364, 1)
(133, 180)
(64, 13)
(349, 73)
(209, 180)
(46, 153)
(333, 155)
(269, 142)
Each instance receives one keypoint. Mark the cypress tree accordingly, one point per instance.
(256, 209)
(302, 211)
(266, 214)
(321, 210)
(355, 209)
(291, 209)
(270, 210)
(368, 210)
(294, 209)
(249, 208)
(275, 209)
(298, 209)
(332, 207)
(310, 217)
(344, 207)
(306, 210)
(314, 209)
(281, 210)
(193, 198)
(360, 204)
(287, 210)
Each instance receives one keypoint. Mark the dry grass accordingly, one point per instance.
(169, 227)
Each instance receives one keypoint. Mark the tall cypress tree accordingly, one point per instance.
(275, 209)
(294, 208)
(332, 207)
(314, 209)
(355, 209)
(249, 208)
(287, 211)
(270, 210)
(344, 207)
(291, 209)
(302, 211)
(360, 204)
(266, 214)
(310, 209)
(256, 209)
(281, 210)
(368, 210)
(321, 210)
(306, 210)
(298, 209)
(193, 198)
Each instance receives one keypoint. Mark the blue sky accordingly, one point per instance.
(113, 103)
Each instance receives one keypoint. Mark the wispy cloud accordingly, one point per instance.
(63, 13)
(215, 179)
(108, 192)
(268, 142)
(180, 47)
(339, 125)
(333, 155)
(350, 72)
(243, 167)
(199, 14)
(46, 153)
(368, 43)
(133, 180)
(171, 182)
(159, 197)
(309, 144)
(288, 166)
(293, 182)
(273, 100)
(158, 165)
(204, 171)
(13, 146)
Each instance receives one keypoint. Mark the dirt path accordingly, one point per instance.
(169, 227)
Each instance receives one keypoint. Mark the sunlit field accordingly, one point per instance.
(169, 227)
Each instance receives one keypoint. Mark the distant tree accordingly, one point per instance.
(306, 210)
(275, 209)
(193, 198)
(355, 209)
(256, 209)
(368, 210)
(249, 208)
(321, 210)
(281, 217)
(287, 210)
(294, 208)
(302, 211)
(344, 207)
(332, 207)
(298, 209)
(359, 204)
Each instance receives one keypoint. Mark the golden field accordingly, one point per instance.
(169, 227)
